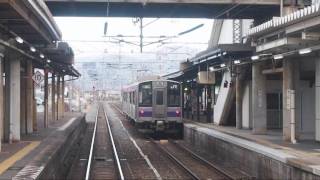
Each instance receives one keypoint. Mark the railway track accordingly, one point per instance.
(103, 161)
(118, 151)
(194, 166)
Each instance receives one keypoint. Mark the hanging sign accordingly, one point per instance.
(37, 77)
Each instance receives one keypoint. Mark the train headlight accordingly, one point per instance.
(141, 112)
(178, 113)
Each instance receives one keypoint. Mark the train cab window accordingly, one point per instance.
(145, 94)
(173, 94)
(159, 97)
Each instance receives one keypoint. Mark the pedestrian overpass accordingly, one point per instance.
(216, 9)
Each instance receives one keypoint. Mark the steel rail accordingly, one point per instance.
(115, 152)
(177, 161)
(202, 159)
(91, 148)
(190, 152)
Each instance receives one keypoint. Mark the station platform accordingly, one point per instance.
(37, 153)
(257, 151)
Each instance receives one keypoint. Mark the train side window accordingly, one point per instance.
(133, 98)
(159, 97)
(130, 97)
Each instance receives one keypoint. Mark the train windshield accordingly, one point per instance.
(173, 94)
(145, 94)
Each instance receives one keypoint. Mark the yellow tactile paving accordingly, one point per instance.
(17, 156)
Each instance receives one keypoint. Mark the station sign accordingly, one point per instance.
(38, 77)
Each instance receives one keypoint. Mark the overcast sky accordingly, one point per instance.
(90, 32)
(86, 37)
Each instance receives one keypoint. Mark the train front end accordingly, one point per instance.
(160, 107)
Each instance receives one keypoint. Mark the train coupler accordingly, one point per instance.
(160, 126)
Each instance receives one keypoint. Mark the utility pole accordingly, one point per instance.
(141, 34)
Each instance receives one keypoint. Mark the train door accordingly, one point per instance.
(159, 103)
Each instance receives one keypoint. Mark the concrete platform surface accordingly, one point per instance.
(16, 157)
(304, 155)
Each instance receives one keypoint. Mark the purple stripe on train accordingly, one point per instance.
(171, 114)
(176, 113)
(143, 113)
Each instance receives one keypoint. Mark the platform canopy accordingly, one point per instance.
(244, 9)
(213, 58)
(31, 20)
(28, 28)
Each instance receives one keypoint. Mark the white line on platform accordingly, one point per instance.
(142, 154)
(66, 125)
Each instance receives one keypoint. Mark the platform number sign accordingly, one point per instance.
(38, 77)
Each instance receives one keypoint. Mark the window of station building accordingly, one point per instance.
(145, 94)
(159, 97)
(173, 94)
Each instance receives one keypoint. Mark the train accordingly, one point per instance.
(154, 105)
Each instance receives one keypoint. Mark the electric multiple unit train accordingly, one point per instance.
(154, 106)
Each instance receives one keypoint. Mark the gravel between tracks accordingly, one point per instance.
(103, 166)
(134, 164)
(166, 168)
(78, 168)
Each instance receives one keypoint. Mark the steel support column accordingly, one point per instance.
(62, 95)
(198, 102)
(34, 109)
(317, 106)
(58, 97)
(53, 97)
(29, 96)
(239, 95)
(46, 98)
(209, 104)
(23, 101)
(2, 49)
